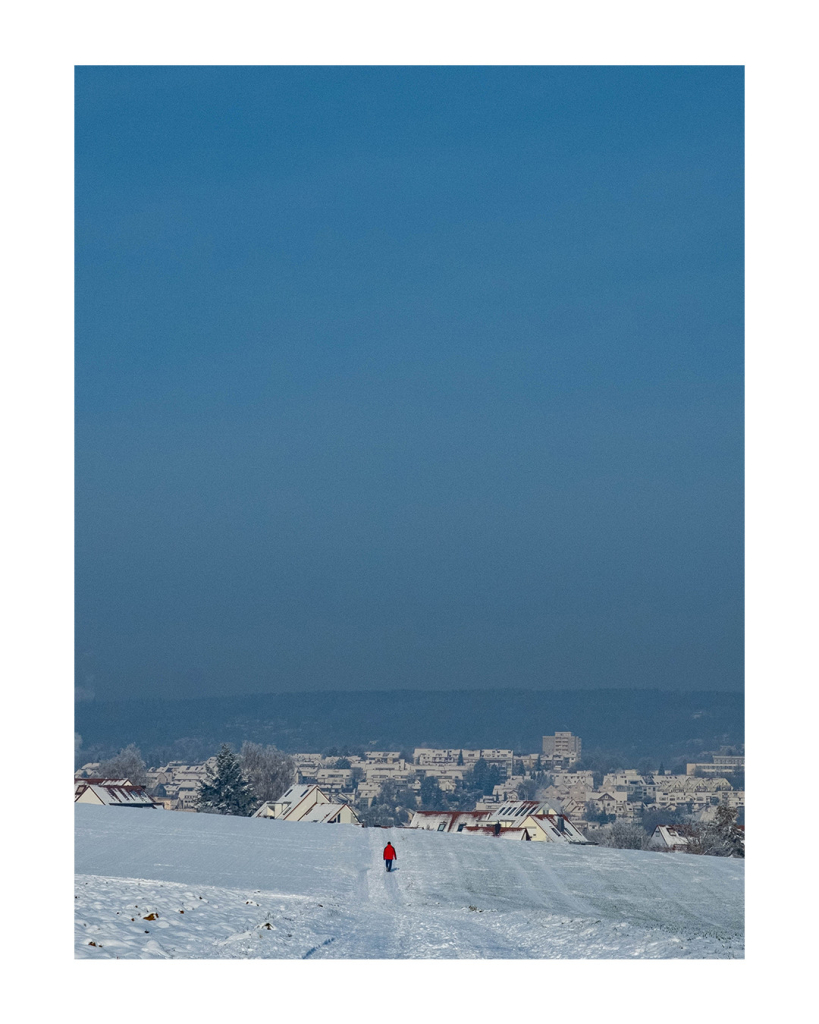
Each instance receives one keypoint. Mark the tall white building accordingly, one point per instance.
(562, 748)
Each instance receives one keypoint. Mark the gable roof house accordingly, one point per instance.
(307, 803)
(108, 793)
(666, 837)
(554, 828)
(332, 814)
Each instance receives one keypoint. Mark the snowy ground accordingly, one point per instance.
(223, 887)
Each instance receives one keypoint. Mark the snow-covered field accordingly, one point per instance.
(224, 887)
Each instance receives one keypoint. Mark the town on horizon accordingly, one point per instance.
(547, 795)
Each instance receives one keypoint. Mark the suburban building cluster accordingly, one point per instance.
(543, 796)
(174, 786)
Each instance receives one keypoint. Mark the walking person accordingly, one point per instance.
(389, 855)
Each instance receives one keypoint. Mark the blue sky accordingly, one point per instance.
(408, 377)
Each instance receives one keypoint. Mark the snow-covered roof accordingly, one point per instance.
(295, 794)
(102, 782)
(549, 826)
(668, 836)
(298, 800)
(324, 812)
(453, 821)
(511, 809)
(114, 796)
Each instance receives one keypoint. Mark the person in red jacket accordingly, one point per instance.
(389, 855)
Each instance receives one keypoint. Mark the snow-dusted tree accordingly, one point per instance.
(621, 835)
(718, 838)
(527, 790)
(268, 771)
(225, 791)
(127, 764)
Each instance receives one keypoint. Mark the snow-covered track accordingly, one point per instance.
(238, 887)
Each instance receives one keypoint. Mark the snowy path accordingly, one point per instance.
(238, 887)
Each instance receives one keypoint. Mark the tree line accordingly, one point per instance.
(237, 784)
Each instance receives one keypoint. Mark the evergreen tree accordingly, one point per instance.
(432, 799)
(484, 776)
(460, 757)
(225, 790)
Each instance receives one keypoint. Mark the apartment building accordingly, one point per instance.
(722, 764)
(431, 757)
(563, 748)
(388, 771)
(334, 779)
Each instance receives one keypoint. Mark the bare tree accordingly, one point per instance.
(127, 764)
(527, 790)
(268, 770)
(621, 835)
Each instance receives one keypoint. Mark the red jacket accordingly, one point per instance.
(389, 852)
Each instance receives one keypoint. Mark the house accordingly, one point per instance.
(334, 778)
(169, 803)
(307, 803)
(104, 793)
(510, 813)
(553, 828)
(608, 803)
(332, 814)
(544, 826)
(367, 792)
(447, 821)
(293, 804)
(666, 837)
(187, 797)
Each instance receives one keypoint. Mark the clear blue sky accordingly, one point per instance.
(408, 377)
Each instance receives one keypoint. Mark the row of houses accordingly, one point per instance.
(527, 820)
(369, 772)
(522, 820)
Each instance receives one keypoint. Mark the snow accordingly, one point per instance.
(227, 888)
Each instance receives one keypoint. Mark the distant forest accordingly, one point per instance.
(659, 724)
